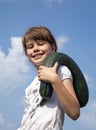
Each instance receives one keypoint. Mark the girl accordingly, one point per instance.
(38, 43)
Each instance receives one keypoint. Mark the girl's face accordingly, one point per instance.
(37, 51)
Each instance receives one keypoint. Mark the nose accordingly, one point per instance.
(36, 48)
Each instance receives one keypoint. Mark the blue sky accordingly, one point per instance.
(73, 24)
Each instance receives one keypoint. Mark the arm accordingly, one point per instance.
(64, 90)
(67, 97)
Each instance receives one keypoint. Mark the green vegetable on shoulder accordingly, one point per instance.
(79, 82)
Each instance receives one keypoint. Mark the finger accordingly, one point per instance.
(40, 67)
(39, 75)
(56, 66)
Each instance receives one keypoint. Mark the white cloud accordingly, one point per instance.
(9, 126)
(13, 67)
(91, 86)
(88, 116)
(1, 119)
(4, 125)
(22, 101)
(89, 80)
(61, 40)
(88, 113)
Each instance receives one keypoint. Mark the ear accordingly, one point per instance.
(53, 47)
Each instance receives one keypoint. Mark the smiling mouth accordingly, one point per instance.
(37, 56)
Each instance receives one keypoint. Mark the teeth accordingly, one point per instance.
(37, 55)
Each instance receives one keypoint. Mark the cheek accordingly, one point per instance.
(28, 52)
(48, 48)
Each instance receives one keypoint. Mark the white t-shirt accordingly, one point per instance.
(50, 116)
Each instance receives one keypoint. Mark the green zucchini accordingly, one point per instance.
(79, 82)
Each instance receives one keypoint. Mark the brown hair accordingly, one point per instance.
(39, 33)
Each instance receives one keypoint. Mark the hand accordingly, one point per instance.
(47, 74)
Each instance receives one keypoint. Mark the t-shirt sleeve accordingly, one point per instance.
(64, 72)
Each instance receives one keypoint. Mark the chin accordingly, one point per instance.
(38, 64)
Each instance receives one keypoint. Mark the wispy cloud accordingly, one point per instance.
(4, 125)
(89, 80)
(22, 101)
(91, 86)
(13, 66)
(62, 40)
(1, 119)
(88, 116)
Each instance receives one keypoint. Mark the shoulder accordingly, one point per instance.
(64, 72)
(32, 84)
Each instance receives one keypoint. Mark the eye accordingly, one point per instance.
(29, 46)
(41, 43)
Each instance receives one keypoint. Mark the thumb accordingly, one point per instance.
(56, 66)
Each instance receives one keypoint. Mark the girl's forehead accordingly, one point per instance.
(34, 41)
(30, 42)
